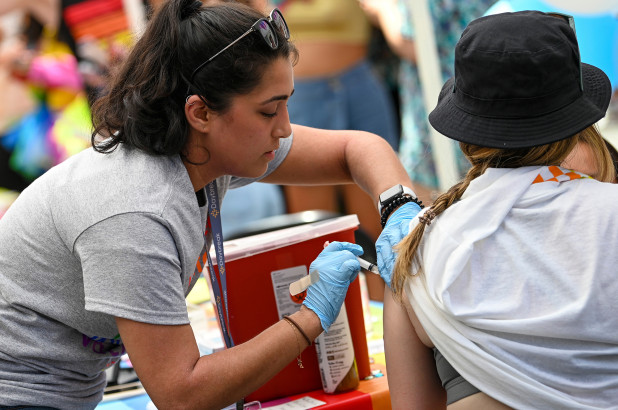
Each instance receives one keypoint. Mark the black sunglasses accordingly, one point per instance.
(266, 27)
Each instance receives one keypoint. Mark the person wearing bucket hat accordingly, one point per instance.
(504, 292)
(503, 97)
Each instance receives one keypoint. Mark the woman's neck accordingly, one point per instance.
(199, 175)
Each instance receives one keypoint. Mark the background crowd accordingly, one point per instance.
(358, 69)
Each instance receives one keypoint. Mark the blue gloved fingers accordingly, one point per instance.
(338, 267)
(330, 261)
(352, 266)
(330, 258)
(347, 246)
(397, 227)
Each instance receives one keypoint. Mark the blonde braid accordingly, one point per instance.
(481, 158)
(406, 249)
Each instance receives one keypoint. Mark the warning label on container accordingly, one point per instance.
(286, 303)
(335, 352)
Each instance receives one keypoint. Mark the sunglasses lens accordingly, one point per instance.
(280, 24)
(268, 34)
(569, 19)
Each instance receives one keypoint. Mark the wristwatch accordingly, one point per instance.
(392, 194)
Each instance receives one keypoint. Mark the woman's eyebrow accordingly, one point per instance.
(282, 97)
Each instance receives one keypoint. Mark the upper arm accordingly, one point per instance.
(393, 22)
(324, 157)
(131, 268)
(412, 377)
(316, 157)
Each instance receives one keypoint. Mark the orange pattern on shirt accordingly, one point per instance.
(556, 174)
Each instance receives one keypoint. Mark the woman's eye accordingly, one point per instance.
(268, 115)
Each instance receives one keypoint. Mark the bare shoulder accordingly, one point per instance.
(420, 331)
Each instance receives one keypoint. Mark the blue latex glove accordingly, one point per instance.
(338, 267)
(396, 228)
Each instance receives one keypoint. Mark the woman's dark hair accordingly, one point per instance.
(144, 107)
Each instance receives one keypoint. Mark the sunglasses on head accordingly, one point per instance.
(266, 27)
(571, 22)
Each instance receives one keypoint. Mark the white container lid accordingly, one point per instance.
(265, 242)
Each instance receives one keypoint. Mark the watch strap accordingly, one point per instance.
(394, 192)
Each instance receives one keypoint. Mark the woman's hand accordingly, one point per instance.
(338, 267)
(396, 228)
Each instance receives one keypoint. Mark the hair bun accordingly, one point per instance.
(190, 8)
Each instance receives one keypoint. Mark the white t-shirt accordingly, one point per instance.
(519, 288)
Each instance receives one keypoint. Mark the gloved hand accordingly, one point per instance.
(338, 267)
(396, 228)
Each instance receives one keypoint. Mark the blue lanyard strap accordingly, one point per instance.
(213, 223)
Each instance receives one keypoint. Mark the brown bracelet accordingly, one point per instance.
(299, 358)
(289, 319)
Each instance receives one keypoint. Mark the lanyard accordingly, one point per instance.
(213, 224)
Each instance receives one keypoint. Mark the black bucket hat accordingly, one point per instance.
(519, 83)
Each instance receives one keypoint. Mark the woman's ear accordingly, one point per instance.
(198, 114)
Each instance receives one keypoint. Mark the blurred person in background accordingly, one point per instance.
(54, 62)
(336, 88)
(395, 20)
(44, 113)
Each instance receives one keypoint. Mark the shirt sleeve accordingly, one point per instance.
(131, 269)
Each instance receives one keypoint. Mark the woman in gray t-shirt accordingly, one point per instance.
(98, 254)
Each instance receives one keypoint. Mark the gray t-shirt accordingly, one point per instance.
(98, 236)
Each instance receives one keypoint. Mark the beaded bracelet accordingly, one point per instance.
(396, 203)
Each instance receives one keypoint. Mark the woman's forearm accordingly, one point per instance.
(168, 364)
